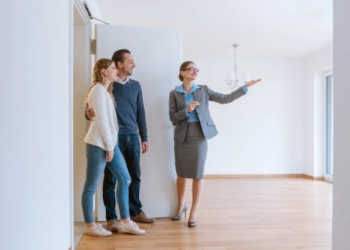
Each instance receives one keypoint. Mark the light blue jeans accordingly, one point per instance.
(96, 163)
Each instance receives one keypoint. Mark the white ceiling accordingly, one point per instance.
(263, 28)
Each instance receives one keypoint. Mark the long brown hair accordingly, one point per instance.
(99, 78)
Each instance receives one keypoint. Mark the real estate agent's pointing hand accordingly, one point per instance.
(252, 82)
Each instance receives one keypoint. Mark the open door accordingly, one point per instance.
(81, 83)
(158, 55)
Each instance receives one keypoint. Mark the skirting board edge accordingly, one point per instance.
(319, 178)
(227, 176)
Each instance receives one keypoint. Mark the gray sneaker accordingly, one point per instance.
(112, 225)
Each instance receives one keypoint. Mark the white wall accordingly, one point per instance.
(313, 89)
(341, 183)
(261, 133)
(35, 125)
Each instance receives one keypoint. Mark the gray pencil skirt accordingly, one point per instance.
(191, 154)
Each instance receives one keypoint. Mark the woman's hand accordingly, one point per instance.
(192, 106)
(252, 82)
(110, 156)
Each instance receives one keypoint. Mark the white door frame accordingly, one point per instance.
(82, 12)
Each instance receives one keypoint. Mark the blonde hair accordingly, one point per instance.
(99, 78)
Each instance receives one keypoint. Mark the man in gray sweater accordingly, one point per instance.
(131, 116)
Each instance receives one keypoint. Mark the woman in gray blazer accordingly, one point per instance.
(189, 112)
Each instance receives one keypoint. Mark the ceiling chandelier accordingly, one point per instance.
(231, 78)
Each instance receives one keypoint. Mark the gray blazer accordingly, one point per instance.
(178, 116)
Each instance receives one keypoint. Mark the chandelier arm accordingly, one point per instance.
(236, 64)
(235, 46)
(234, 83)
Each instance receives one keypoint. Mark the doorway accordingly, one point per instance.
(81, 83)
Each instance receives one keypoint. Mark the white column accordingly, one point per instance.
(341, 178)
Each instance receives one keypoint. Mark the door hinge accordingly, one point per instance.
(93, 46)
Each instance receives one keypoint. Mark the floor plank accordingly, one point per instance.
(254, 214)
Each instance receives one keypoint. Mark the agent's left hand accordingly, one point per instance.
(145, 147)
(252, 82)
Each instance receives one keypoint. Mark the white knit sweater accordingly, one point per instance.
(103, 131)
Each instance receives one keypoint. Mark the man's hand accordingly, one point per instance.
(145, 147)
(89, 112)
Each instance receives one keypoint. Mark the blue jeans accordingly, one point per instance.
(129, 146)
(96, 164)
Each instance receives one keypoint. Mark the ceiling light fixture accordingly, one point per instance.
(231, 78)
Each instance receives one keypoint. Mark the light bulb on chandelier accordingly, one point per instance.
(231, 78)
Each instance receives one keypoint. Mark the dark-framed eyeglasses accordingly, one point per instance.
(192, 69)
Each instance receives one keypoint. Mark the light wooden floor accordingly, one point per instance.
(254, 214)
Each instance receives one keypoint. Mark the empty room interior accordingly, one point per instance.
(175, 125)
(268, 176)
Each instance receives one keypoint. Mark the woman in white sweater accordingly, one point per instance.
(102, 149)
